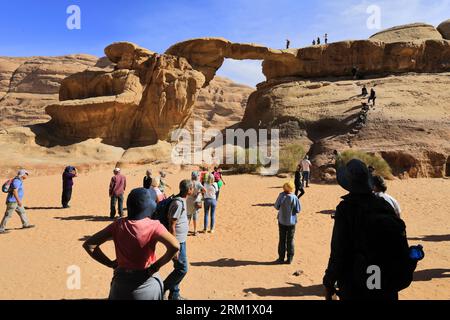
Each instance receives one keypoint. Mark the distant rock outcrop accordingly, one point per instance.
(409, 32)
(146, 97)
(27, 85)
(444, 29)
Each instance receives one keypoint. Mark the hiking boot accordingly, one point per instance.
(29, 226)
(4, 231)
(211, 231)
(289, 261)
(279, 261)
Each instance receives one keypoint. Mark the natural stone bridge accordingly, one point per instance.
(148, 95)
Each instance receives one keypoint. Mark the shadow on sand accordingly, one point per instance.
(294, 290)
(327, 212)
(430, 274)
(434, 238)
(86, 218)
(232, 263)
(263, 205)
(43, 208)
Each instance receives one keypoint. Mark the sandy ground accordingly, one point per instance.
(233, 263)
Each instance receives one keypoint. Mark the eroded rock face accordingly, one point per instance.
(27, 85)
(409, 32)
(140, 102)
(409, 126)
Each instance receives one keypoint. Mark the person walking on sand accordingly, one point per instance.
(326, 38)
(147, 183)
(288, 43)
(380, 188)
(314, 42)
(179, 227)
(210, 203)
(318, 40)
(306, 171)
(67, 181)
(366, 233)
(156, 183)
(372, 97)
(299, 191)
(14, 202)
(218, 178)
(135, 238)
(288, 206)
(194, 201)
(162, 182)
(117, 188)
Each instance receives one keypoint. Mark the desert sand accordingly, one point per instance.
(233, 263)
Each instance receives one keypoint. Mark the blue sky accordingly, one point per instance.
(31, 28)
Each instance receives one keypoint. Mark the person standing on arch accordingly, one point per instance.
(288, 43)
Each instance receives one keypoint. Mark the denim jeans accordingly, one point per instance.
(210, 206)
(286, 244)
(66, 196)
(173, 280)
(115, 199)
(306, 175)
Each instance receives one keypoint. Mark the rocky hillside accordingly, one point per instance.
(28, 85)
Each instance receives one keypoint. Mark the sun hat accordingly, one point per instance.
(22, 172)
(355, 177)
(141, 204)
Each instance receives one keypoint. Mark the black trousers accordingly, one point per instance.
(66, 196)
(286, 244)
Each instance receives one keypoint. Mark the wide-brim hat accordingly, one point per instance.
(355, 177)
(141, 204)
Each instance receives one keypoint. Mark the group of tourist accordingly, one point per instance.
(135, 237)
(367, 223)
(317, 42)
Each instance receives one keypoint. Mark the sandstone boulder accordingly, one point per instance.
(444, 29)
(409, 32)
(141, 101)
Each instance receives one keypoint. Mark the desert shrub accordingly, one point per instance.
(245, 167)
(290, 156)
(381, 166)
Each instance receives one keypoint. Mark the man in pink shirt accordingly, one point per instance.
(116, 190)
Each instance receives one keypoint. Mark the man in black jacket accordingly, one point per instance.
(347, 263)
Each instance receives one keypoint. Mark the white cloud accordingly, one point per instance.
(247, 72)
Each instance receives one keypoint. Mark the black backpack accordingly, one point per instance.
(162, 211)
(380, 239)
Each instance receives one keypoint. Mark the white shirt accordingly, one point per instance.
(391, 201)
(306, 165)
(211, 190)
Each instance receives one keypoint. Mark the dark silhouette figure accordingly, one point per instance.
(326, 38)
(318, 40)
(373, 96)
(288, 43)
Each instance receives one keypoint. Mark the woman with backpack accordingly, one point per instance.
(210, 202)
(194, 201)
(135, 238)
